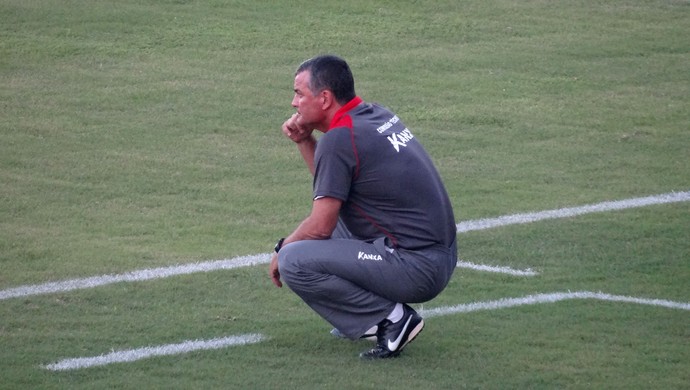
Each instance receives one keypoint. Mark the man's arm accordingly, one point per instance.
(307, 148)
(302, 136)
(319, 225)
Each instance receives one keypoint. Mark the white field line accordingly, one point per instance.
(189, 346)
(134, 276)
(147, 352)
(502, 270)
(244, 261)
(488, 223)
(548, 298)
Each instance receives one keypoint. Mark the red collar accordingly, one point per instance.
(340, 115)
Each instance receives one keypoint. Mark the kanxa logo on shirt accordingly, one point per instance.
(369, 256)
(400, 139)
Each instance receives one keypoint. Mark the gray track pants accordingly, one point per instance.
(354, 284)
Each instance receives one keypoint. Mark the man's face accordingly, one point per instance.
(309, 106)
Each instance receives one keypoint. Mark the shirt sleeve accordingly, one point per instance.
(335, 164)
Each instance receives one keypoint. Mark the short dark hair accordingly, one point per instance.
(332, 73)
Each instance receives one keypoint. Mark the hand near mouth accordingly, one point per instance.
(295, 129)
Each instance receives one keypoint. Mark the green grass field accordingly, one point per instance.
(142, 135)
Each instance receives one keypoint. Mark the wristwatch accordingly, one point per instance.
(279, 245)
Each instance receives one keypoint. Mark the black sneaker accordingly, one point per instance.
(391, 338)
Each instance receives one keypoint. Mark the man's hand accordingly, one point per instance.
(273, 271)
(294, 129)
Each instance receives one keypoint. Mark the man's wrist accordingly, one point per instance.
(307, 139)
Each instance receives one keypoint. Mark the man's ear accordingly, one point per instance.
(327, 99)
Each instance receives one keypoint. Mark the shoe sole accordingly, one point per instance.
(367, 336)
(415, 332)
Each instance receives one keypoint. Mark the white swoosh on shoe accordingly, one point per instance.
(393, 346)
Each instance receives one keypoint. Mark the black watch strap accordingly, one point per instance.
(279, 244)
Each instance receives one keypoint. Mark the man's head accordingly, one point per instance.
(322, 85)
(331, 73)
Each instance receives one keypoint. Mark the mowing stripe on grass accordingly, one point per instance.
(147, 352)
(548, 298)
(502, 270)
(189, 346)
(244, 261)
